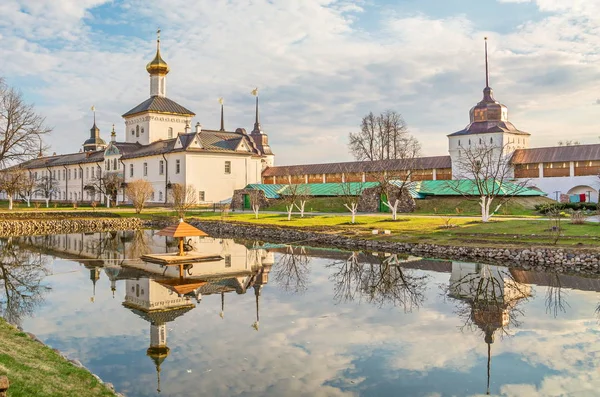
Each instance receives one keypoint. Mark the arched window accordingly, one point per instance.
(107, 165)
(160, 196)
(170, 132)
(142, 130)
(132, 132)
(137, 131)
(115, 164)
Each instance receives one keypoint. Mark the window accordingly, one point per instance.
(69, 173)
(92, 172)
(137, 131)
(161, 167)
(115, 165)
(74, 174)
(177, 166)
(491, 140)
(228, 167)
(132, 132)
(160, 196)
(87, 173)
(142, 130)
(170, 133)
(152, 196)
(131, 170)
(81, 173)
(480, 142)
(64, 178)
(227, 260)
(469, 142)
(35, 175)
(459, 142)
(201, 195)
(107, 166)
(145, 169)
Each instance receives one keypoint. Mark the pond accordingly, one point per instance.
(277, 320)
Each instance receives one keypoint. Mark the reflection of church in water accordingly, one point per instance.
(490, 295)
(157, 293)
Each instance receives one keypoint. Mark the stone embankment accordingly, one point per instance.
(43, 226)
(551, 259)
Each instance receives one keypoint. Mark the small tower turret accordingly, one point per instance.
(94, 142)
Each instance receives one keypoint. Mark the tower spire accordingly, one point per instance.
(41, 153)
(222, 117)
(256, 121)
(94, 111)
(487, 74)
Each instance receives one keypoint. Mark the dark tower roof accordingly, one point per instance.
(94, 142)
(489, 115)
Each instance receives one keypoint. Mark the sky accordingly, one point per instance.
(320, 65)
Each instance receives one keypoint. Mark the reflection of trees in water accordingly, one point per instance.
(386, 282)
(21, 274)
(291, 271)
(555, 297)
(138, 244)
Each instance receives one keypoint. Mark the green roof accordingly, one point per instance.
(468, 187)
(417, 190)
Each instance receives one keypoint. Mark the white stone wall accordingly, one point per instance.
(206, 172)
(568, 185)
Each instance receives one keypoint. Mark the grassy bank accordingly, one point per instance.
(466, 231)
(36, 370)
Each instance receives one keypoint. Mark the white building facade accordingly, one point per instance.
(158, 146)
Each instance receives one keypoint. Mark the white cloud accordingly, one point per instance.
(318, 68)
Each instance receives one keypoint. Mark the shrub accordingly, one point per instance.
(547, 208)
(578, 218)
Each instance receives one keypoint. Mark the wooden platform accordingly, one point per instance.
(172, 259)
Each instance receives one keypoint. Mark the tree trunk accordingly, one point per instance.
(485, 208)
(10, 202)
(28, 198)
(289, 211)
(107, 201)
(47, 202)
(255, 208)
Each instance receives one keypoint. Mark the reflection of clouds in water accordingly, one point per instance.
(307, 344)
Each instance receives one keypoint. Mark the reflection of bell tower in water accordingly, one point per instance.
(158, 305)
(491, 293)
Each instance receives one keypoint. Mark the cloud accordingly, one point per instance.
(321, 65)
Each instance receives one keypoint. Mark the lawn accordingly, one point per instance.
(36, 370)
(466, 231)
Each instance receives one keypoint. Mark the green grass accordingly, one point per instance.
(518, 206)
(317, 204)
(467, 231)
(35, 370)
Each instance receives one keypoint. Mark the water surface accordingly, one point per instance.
(275, 320)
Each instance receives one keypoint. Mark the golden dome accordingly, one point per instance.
(157, 65)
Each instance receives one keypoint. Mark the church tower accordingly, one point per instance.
(260, 138)
(488, 128)
(158, 117)
(158, 70)
(94, 142)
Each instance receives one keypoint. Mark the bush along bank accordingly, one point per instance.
(549, 259)
(30, 227)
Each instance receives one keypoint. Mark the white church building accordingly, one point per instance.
(160, 146)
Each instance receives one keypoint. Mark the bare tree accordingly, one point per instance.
(139, 191)
(184, 198)
(256, 199)
(27, 187)
(293, 194)
(107, 184)
(47, 186)
(485, 171)
(350, 194)
(21, 127)
(555, 296)
(381, 137)
(11, 183)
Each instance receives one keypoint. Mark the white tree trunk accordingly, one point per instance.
(255, 208)
(28, 198)
(107, 201)
(10, 202)
(393, 208)
(47, 202)
(289, 209)
(353, 207)
(485, 208)
(301, 208)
